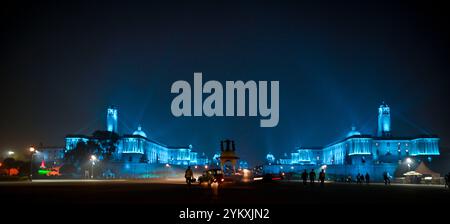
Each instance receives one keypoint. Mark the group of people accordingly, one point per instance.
(363, 178)
(312, 177)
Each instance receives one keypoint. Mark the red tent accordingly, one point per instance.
(42, 164)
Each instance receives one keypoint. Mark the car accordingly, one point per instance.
(211, 176)
(269, 177)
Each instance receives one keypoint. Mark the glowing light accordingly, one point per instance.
(384, 120)
(43, 172)
(409, 160)
(111, 119)
(270, 158)
(10, 153)
(167, 165)
(93, 158)
(257, 178)
(32, 149)
(206, 166)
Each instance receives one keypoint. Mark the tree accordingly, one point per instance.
(9, 163)
(67, 169)
(107, 142)
(18, 165)
(81, 153)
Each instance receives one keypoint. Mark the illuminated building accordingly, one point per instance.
(111, 120)
(135, 150)
(384, 120)
(270, 158)
(361, 153)
(52, 155)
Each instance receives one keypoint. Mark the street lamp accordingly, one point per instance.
(93, 159)
(10, 153)
(409, 161)
(32, 151)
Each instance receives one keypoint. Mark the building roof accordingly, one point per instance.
(55, 148)
(392, 138)
(77, 136)
(353, 132)
(140, 132)
(310, 148)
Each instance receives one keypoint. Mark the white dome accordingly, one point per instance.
(353, 132)
(140, 132)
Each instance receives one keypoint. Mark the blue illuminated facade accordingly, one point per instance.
(360, 153)
(137, 148)
(384, 120)
(111, 120)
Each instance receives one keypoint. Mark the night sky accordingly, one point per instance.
(63, 63)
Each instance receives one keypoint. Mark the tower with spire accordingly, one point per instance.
(384, 120)
(111, 119)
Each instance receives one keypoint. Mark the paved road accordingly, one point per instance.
(161, 192)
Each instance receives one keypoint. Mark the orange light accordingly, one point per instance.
(32, 149)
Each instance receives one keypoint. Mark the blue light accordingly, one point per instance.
(111, 120)
(384, 120)
(135, 152)
(358, 153)
(270, 158)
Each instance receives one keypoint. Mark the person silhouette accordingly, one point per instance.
(304, 177)
(188, 174)
(322, 177)
(358, 178)
(386, 178)
(312, 176)
(447, 176)
(367, 178)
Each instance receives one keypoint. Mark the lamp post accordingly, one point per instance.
(409, 161)
(93, 159)
(32, 151)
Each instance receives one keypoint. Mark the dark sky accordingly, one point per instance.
(63, 63)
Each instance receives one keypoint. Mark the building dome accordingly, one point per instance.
(353, 132)
(270, 158)
(140, 132)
